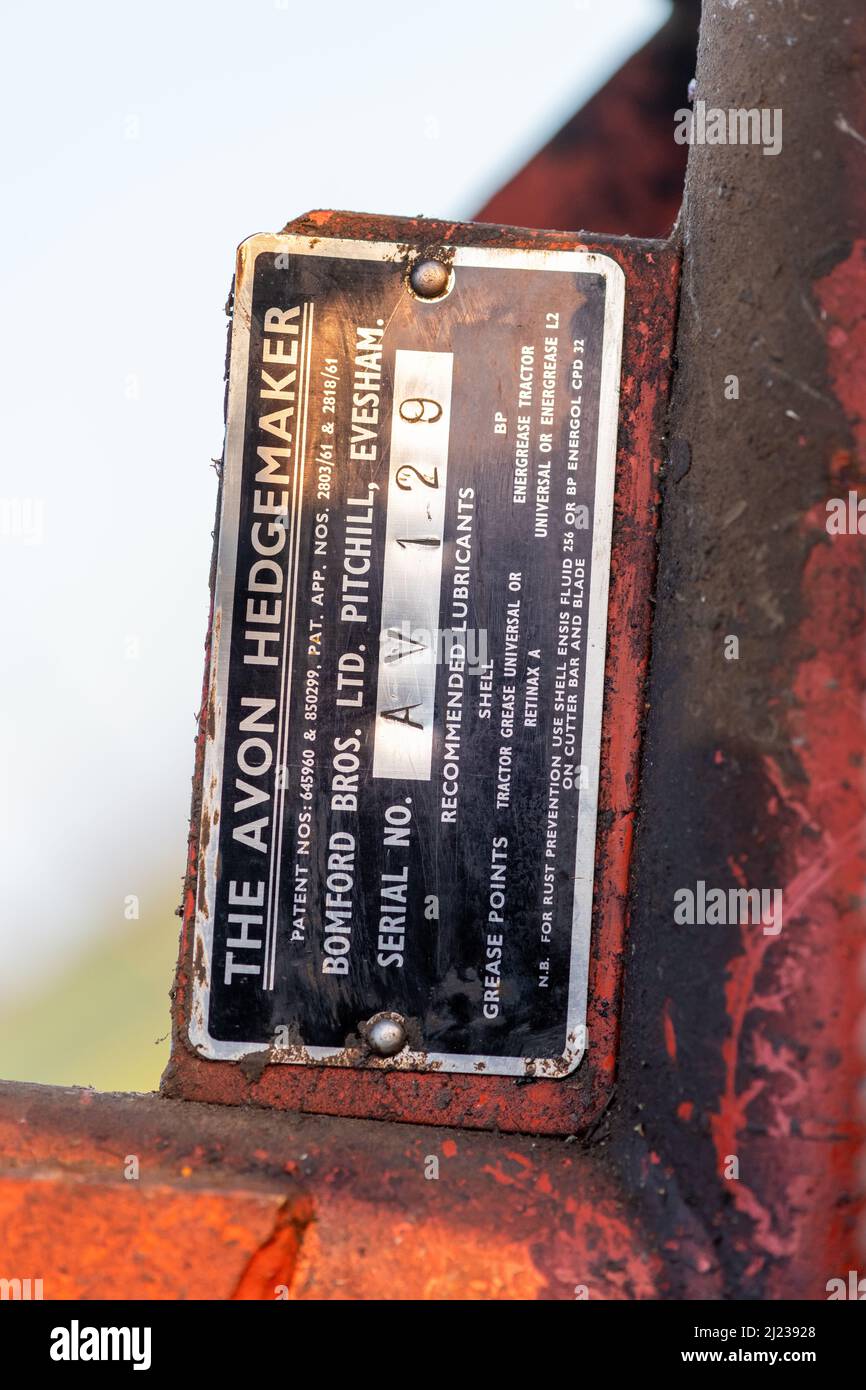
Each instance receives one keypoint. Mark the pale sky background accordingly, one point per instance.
(142, 143)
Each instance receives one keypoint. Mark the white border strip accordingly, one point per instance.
(287, 652)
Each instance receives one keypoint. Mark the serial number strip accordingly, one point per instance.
(412, 571)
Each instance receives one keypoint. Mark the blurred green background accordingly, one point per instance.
(104, 1022)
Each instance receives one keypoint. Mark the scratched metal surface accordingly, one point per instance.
(741, 1044)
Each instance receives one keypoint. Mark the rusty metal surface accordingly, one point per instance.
(737, 1043)
(539, 1106)
(248, 1205)
(733, 1043)
(613, 166)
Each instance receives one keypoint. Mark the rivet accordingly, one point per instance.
(386, 1034)
(429, 278)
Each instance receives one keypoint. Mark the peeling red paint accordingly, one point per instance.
(670, 1035)
(805, 984)
(842, 298)
(302, 1207)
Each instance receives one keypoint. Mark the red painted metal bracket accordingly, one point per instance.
(535, 1106)
(233, 1204)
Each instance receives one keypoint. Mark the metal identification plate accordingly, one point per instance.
(401, 771)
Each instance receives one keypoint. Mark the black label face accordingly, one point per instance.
(402, 762)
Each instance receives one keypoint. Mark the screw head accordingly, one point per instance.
(386, 1034)
(429, 278)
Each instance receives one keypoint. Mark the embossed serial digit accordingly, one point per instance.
(417, 410)
(406, 486)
